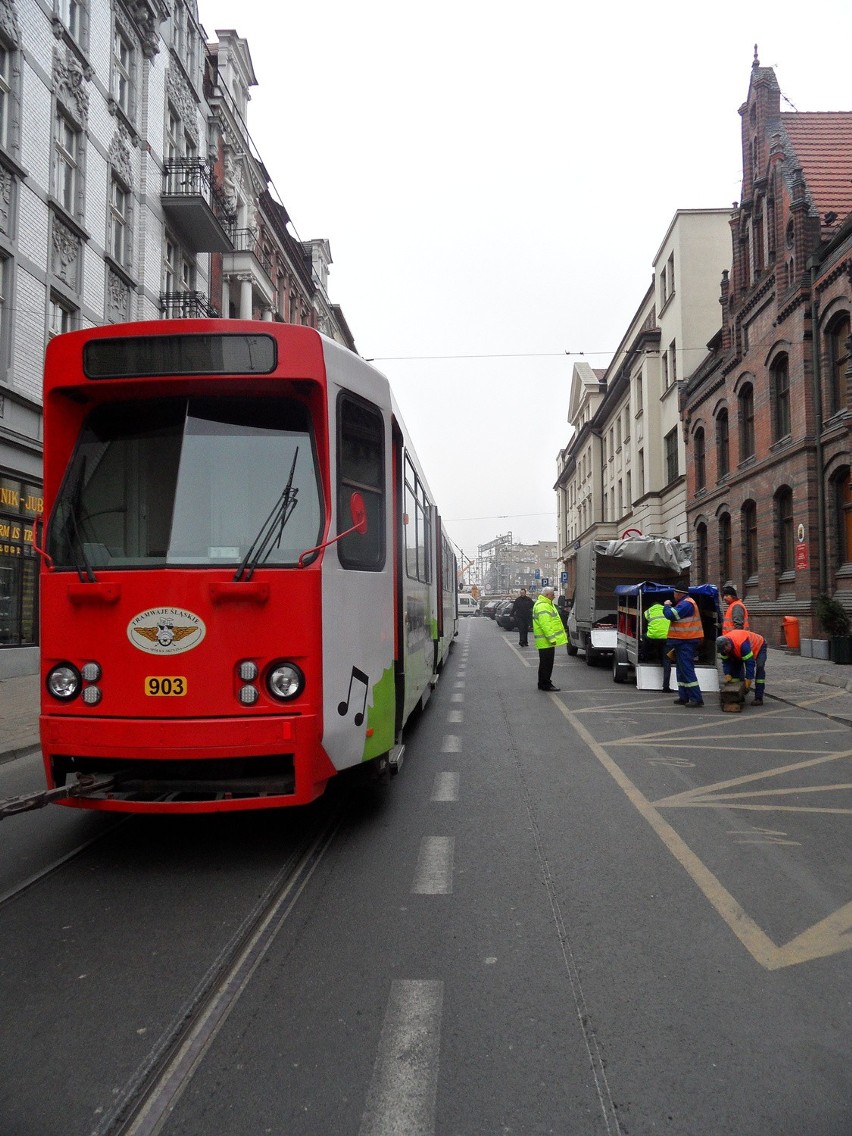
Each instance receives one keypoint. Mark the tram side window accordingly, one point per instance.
(418, 540)
(361, 466)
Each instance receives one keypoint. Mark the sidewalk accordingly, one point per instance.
(822, 687)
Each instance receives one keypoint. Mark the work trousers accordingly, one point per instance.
(687, 681)
(546, 656)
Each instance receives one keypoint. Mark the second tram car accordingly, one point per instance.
(246, 586)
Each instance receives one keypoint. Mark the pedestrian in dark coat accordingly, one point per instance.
(522, 612)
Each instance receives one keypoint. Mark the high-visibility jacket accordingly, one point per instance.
(735, 620)
(747, 645)
(547, 624)
(656, 623)
(686, 620)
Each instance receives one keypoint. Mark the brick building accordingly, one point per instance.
(766, 417)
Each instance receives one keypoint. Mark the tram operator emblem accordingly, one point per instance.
(165, 631)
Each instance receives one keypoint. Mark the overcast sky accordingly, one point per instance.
(494, 185)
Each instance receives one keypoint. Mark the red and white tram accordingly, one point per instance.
(246, 586)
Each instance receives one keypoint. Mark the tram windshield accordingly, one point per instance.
(187, 482)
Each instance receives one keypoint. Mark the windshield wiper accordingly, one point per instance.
(85, 570)
(270, 532)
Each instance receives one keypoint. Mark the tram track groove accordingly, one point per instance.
(148, 1097)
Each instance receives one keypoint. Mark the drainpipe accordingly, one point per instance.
(816, 378)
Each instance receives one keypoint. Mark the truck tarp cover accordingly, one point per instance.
(654, 551)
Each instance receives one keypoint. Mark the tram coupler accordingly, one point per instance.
(395, 757)
(86, 783)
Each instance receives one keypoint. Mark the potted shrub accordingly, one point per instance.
(834, 620)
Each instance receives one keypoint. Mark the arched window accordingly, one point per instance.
(723, 456)
(701, 552)
(784, 529)
(725, 547)
(780, 380)
(841, 499)
(749, 522)
(698, 443)
(745, 401)
(838, 360)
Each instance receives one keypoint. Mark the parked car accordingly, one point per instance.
(490, 608)
(503, 615)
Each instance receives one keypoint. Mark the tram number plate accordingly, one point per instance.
(172, 686)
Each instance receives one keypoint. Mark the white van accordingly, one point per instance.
(468, 605)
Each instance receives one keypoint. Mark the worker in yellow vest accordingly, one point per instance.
(656, 634)
(549, 634)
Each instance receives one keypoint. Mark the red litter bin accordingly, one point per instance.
(790, 632)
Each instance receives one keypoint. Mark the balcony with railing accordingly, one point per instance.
(248, 265)
(192, 207)
(186, 305)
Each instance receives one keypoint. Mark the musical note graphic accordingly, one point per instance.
(343, 707)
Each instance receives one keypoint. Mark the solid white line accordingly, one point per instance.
(434, 872)
(446, 787)
(451, 744)
(401, 1100)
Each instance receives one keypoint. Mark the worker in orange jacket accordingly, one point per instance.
(743, 655)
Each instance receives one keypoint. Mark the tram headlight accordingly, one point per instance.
(285, 681)
(64, 682)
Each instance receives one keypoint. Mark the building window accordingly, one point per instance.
(784, 513)
(67, 163)
(698, 442)
(838, 360)
(749, 521)
(122, 71)
(638, 398)
(640, 473)
(174, 135)
(665, 364)
(723, 456)
(673, 363)
(61, 317)
(119, 221)
(780, 378)
(746, 409)
(842, 500)
(724, 547)
(5, 94)
(671, 455)
(71, 15)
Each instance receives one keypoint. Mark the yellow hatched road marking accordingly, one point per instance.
(828, 937)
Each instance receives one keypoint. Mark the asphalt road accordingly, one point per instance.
(581, 913)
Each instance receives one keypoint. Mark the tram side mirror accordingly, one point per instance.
(359, 512)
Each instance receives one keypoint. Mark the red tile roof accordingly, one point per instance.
(822, 146)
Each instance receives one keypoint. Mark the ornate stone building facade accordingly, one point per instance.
(117, 203)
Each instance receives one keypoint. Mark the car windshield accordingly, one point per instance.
(186, 482)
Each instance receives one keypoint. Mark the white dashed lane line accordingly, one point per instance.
(405, 1076)
(445, 787)
(434, 872)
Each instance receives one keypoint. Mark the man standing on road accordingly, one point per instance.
(685, 634)
(736, 612)
(522, 612)
(549, 634)
(743, 655)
